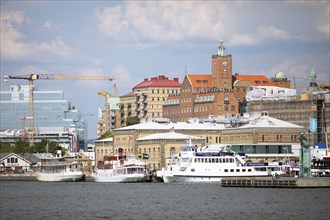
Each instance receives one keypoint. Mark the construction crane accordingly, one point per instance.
(107, 96)
(33, 77)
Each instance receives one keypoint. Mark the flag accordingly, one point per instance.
(140, 155)
(312, 124)
(145, 156)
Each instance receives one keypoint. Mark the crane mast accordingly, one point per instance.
(33, 77)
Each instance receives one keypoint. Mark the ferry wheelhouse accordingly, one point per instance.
(56, 169)
(120, 169)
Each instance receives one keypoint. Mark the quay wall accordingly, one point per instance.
(18, 177)
(282, 182)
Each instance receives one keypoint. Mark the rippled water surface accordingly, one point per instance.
(89, 200)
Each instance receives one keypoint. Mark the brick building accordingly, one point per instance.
(218, 93)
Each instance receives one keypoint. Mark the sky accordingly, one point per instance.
(133, 40)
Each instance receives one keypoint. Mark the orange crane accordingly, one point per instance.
(33, 77)
(107, 96)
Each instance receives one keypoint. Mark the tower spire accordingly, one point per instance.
(221, 48)
(312, 77)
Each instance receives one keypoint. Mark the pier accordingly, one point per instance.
(283, 182)
(18, 177)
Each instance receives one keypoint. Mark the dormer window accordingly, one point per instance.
(257, 82)
(199, 81)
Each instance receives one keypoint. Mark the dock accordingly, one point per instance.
(18, 177)
(282, 182)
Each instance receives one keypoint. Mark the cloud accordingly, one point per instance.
(15, 45)
(161, 21)
(148, 23)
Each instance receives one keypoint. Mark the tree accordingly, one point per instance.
(22, 147)
(132, 121)
(106, 134)
(6, 147)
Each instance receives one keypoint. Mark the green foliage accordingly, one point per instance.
(22, 147)
(6, 147)
(132, 121)
(106, 134)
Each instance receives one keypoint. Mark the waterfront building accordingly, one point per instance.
(146, 99)
(54, 118)
(161, 145)
(218, 93)
(311, 107)
(103, 147)
(17, 163)
(263, 137)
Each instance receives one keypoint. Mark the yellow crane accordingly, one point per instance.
(33, 77)
(107, 96)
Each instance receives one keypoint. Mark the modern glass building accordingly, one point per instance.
(54, 117)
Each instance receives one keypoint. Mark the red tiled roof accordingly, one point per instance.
(257, 80)
(160, 81)
(200, 81)
(130, 94)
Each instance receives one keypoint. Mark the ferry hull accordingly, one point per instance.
(129, 178)
(60, 177)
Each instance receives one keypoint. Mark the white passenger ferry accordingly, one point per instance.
(200, 164)
(118, 169)
(56, 169)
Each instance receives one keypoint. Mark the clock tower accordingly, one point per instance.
(222, 68)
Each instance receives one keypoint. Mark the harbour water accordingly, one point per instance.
(90, 200)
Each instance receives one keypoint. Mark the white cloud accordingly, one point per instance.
(48, 24)
(147, 23)
(238, 39)
(160, 21)
(15, 46)
(273, 33)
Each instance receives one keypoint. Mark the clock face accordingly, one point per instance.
(224, 63)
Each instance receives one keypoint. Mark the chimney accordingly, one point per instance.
(176, 79)
(145, 79)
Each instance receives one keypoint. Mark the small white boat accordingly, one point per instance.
(57, 169)
(200, 164)
(120, 170)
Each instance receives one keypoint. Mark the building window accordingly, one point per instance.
(257, 82)
(265, 82)
(219, 107)
(233, 108)
(226, 108)
(226, 97)
(238, 89)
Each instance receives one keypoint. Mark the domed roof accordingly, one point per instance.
(280, 75)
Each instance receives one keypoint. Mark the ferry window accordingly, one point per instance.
(195, 160)
(192, 169)
(227, 160)
(243, 170)
(202, 160)
(217, 160)
(231, 170)
(210, 160)
(213, 160)
(226, 170)
(249, 170)
(205, 160)
(237, 170)
(231, 160)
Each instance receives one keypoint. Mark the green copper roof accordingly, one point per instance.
(280, 75)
